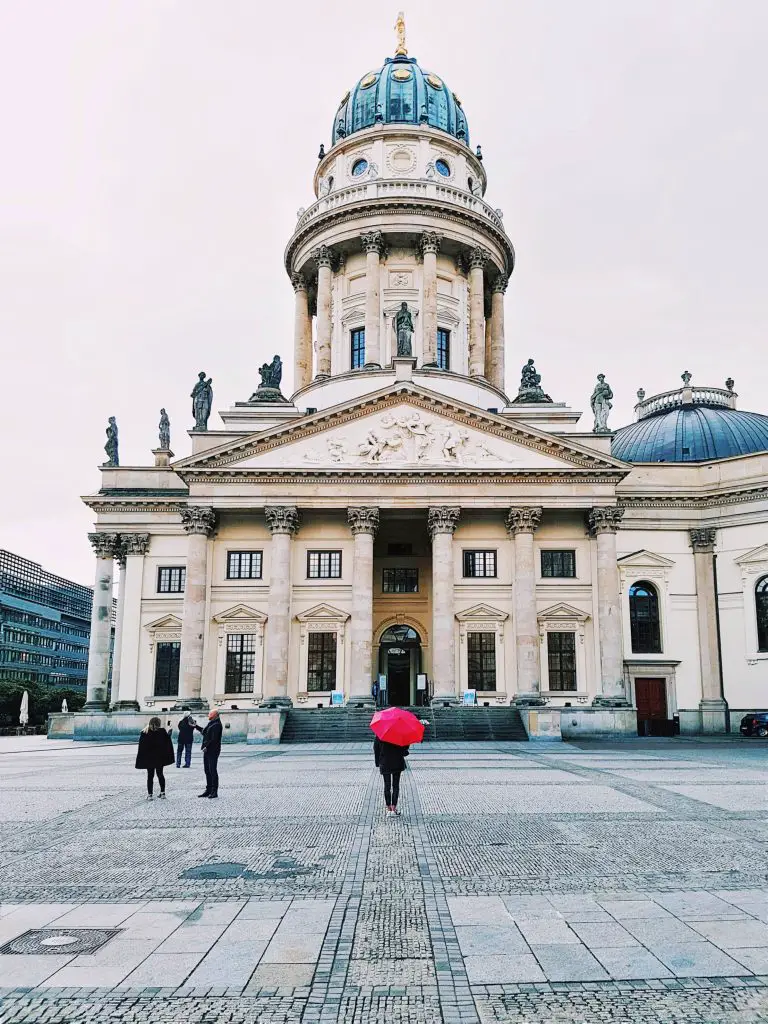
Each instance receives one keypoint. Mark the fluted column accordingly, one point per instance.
(302, 334)
(712, 704)
(126, 660)
(324, 258)
(106, 546)
(199, 523)
(495, 369)
(363, 522)
(478, 257)
(522, 523)
(603, 524)
(117, 646)
(441, 523)
(283, 523)
(430, 246)
(373, 246)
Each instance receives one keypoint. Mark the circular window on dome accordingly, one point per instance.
(359, 167)
(442, 167)
(434, 81)
(401, 74)
(368, 81)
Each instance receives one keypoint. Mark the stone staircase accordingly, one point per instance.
(352, 725)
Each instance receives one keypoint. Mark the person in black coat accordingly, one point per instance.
(184, 745)
(211, 750)
(154, 753)
(390, 760)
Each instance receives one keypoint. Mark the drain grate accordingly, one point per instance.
(55, 941)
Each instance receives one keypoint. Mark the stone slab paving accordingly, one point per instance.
(604, 882)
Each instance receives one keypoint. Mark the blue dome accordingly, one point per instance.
(400, 92)
(691, 433)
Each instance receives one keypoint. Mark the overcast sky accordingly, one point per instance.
(155, 153)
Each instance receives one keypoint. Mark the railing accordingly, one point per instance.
(686, 396)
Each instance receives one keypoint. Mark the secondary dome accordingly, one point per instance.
(690, 425)
(400, 92)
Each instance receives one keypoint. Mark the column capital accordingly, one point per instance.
(430, 241)
(604, 519)
(363, 519)
(442, 519)
(523, 520)
(372, 241)
(478, 257)
(499, 283)
(134, 544)
(105, 545)
(703, 539)
(324, 256)
(198, 519)
(282, 518)
(299, 282)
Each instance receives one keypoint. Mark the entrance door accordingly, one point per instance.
(651, 700)
(399, 661)
(399, 676)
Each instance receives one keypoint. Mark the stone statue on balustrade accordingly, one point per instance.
(530, 390)
(202, 401)
(165, 431)
(601, 404)
(113, 459)
(404, 330)
(269, 389)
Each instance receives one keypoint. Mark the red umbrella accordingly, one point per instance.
(398, 726)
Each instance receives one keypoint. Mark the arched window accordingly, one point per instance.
(644, 619)
(761, 612)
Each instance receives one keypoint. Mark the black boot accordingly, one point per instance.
(206, 793)
(213, 796)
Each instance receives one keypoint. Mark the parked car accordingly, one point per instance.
(755, 724)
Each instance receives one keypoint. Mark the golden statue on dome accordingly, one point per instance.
(401, 50)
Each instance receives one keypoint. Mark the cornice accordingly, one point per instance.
(388, 476)
(100, 505)
(712, 499)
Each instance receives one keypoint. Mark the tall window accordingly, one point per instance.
(171, 579)
(481, 661)
(561, 658)
(558, 563)
(357, 348)
(244, 565)
(479, 563)
(241, 659)
(401, 98)
(167, 669)
(400, 581)
(644, 622)
(321, 662)
(761, 610)
(324, 565)
(443, 349)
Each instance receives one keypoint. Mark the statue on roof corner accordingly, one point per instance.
(269, 389)
(601, 404)
(404, 330)
(111, 446)
(202, 401)
(530, 390)
(164, 429)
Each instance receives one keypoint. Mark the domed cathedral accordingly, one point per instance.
(400, 530)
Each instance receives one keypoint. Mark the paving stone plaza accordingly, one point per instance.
(522, 882)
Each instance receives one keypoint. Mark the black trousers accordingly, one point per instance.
(391, 788)
(210, 765)
(151, 778)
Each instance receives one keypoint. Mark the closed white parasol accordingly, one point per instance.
(24, 710)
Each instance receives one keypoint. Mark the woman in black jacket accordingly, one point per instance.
(155, 752)
(390, 760)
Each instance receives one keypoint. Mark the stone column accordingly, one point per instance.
(124, 690)
(117, 646)
(478, 257)
(712, 705)
(495, 370)
(302, 335)
(106, 546)
(373, 246)
(364, 522)
(283, 522)
(324, 258)
(430, 246)
(521, 525)
(441, 523)
(603, 524)
(199, 523)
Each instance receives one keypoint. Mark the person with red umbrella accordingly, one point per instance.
(395, 729)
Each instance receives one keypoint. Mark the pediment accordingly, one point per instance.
(240, 612)
(756, 555)
(323, 612)
(404, 428)
(644, 559)
(165, 622)
(562, 610)
(484, 612)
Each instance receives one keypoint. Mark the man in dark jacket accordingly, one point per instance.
(184, 744)
(390, 760)
(211, 749)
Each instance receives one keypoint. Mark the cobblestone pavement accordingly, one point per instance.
(522, 883)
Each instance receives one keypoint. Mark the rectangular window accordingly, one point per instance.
(400, 581)
(561, 658)
(481, 661)
(479, 563)
(443, 349)
(241, 660)
(558, 563)
(357, 348)
(244, 565)
(167, 669)
(171, 579)
(322, 565)
(321, 662)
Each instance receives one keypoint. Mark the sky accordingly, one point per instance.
(155, 153)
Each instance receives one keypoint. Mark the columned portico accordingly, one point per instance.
(712, 706)
(134, 547)
(324, 258)
(478, 258)
(302, 334)
(363, 523)
(430, 246)
(199, 523)
(441, 523)
(521, 525)
(107, 547)
(603, 524)
(373, 246)
(283, 523)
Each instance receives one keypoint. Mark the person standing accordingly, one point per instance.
(184, 744)
(211, 749)
(154, 753)
(390, 760)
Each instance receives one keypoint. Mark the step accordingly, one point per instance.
(352, 725)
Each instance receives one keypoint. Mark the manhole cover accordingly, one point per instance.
(52, 941)
(215, 870)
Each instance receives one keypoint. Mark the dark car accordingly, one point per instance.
(755, 724)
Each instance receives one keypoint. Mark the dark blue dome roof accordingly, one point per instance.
(691, 433)
(400, 92)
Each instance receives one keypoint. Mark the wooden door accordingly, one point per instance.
(651, 700)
